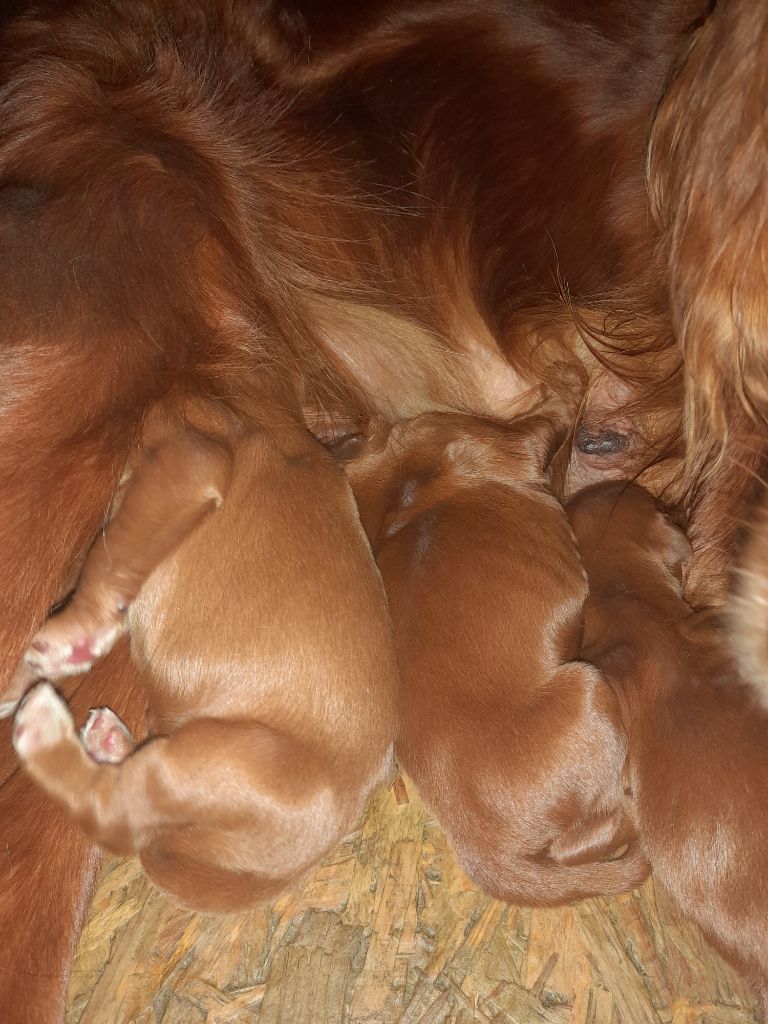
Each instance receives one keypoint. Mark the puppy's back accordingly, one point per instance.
(486, 591)
(274, 607)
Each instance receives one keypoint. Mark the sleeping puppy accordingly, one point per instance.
(698, 742)
(261, 632)
(513, 741)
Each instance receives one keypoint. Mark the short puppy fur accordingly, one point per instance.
(262, 648)
(513, 741)
(171, 491)
(698, 744)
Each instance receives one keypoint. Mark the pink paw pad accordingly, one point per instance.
(106, 737)
(41, 722)
(55, 658)
(82, 652)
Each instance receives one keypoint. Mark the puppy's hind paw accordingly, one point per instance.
(106, 737)
(54, 653)
(42, 721)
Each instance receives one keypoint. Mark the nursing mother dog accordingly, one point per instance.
(359, 210)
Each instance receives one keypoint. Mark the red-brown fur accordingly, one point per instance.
(260, 631)
(709, 179)
(374, 208)
(698, 744)
(514, 742)
(49, 865)
(171, 490)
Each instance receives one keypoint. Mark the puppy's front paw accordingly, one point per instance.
(60, 649)
(106, 737)
(42, 721)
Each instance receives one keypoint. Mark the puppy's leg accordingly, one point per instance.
(106, 737)
(176, 487)
(48, 865)
(222, 813)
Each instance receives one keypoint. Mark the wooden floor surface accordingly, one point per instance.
(390, 930)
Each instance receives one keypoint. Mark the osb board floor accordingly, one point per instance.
(390, 930)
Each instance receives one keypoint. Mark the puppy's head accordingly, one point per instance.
(398, 470)
(622, 531)
(394, 469)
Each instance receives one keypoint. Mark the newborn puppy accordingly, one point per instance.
(513, 741)
(264, 642)
(698, 743)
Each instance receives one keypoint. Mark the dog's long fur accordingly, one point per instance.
(698, 744)
(709, 179)
(381, 207)
(514, 742)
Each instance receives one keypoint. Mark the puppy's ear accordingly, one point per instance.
(540, 436)
(675, 549)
